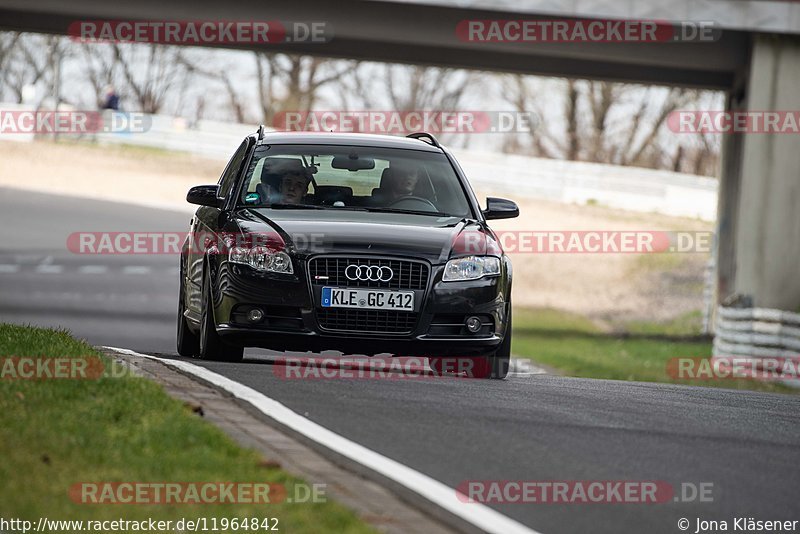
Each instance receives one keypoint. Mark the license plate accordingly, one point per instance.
(367, 299)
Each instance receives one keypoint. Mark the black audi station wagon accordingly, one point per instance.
(364, 244)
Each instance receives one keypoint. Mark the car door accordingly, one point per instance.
(207, 222)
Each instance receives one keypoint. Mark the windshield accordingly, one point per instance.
(356, 178)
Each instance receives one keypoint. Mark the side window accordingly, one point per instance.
(228, 178)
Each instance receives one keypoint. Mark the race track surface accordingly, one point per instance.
(524, 428)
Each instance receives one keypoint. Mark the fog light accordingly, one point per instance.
(473, 324)
(255, 315)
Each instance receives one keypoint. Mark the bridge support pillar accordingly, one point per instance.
(759, 206)
(758, 232)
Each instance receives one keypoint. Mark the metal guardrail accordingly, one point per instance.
(615, 186)
(757, 333)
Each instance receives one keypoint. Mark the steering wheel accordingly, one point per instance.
(413, 203)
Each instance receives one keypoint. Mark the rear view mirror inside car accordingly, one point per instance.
(353, 163)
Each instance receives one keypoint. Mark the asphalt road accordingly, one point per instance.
(747, 445)
(124, 299)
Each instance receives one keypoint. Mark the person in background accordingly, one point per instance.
(111, 100)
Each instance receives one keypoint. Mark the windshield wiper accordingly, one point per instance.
(282, 205)
(411, 212)
(317, 207)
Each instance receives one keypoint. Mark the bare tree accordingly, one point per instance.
(358, 87)
(425, 88)
(26, 62)
(101, 68)
(413, 88)
(607, 123)
(7, 43)
(224, 77)
(523, 94)
(698, 155)
(150, 72)
(293, 82)
(644, 132)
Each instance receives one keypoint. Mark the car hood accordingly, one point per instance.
(310, 232)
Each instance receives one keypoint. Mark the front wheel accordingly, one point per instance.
(212, 346)
(501, 359)
(188, 341)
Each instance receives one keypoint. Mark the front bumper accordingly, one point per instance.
(291, 304)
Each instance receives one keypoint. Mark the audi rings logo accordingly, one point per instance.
(372, 273)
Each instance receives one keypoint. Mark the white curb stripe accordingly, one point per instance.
(136, 269)
(443, 496)
(93, 269)
(46, 268)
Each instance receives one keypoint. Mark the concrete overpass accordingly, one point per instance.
(424, 33)
(756, 61)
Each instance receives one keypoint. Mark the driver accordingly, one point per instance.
(402, 181)
(294, 184)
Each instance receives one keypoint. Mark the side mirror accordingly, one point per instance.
(500, 208)
(204, 195)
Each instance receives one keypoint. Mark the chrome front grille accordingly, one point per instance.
(407, 274)
(330, 271)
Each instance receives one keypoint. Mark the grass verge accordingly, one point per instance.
(58, 432)
(575, 346)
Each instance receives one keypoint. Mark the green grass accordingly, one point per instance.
(687, 324)
(56, 433)
(575, 346)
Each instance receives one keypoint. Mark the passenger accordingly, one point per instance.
(294, 185)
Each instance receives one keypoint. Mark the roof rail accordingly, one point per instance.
(425, 135)
(261, 132)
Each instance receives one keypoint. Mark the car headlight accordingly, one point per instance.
(258, 258)
(238, 255)
(280, 262)
(262, 259)
(471, 268)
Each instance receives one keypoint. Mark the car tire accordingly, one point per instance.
(212, 346)
(500, 361)
(188, 341)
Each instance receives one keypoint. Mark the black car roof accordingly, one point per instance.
(346, 139)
